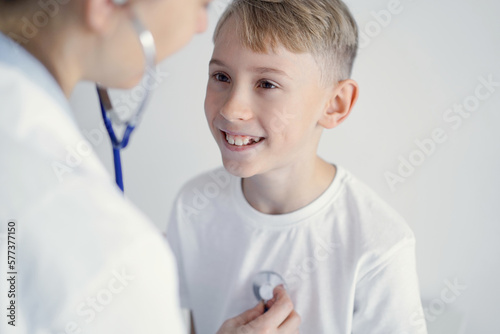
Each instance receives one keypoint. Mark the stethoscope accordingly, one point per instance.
(148, 46)
(264, 283)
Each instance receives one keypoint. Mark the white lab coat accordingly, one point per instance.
(87, 260)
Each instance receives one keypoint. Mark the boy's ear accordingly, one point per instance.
(343, 98)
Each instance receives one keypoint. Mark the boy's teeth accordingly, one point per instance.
(241, 140)
(238, 141)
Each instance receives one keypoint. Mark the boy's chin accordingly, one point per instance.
(238, 169)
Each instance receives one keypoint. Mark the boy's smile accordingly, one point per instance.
(263, 109)
(239, 142)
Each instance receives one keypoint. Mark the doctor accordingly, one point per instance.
(85, 259)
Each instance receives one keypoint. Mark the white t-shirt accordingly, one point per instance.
(347, 258)
(86, 260)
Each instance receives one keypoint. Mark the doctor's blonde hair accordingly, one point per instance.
(324, 28)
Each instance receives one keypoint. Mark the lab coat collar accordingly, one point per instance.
(49, 128)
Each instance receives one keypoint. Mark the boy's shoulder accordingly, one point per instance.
(363, 201)
(205, 188)
(379, 229)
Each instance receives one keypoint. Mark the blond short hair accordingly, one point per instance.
(324, 28)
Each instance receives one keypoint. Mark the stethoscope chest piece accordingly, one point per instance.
(264, 284)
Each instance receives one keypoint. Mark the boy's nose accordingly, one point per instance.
(236, 109)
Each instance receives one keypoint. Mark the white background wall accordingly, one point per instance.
(411, 71)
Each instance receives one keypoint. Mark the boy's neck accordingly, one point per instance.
(289, 189)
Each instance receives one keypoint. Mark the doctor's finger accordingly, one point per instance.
(279, 311)
(238, 324)
(291, 324)
(249, 315)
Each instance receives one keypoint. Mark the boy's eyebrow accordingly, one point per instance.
(216, 62)
(261, 70)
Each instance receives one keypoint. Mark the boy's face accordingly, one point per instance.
(263, 109)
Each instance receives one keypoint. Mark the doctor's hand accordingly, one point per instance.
(280, 318)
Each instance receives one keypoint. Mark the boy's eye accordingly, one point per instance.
(221, 77)
(267, 85)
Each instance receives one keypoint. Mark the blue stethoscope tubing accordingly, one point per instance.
(148, 46)
(115, 142)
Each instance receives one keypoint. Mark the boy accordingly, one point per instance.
(279, 75)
